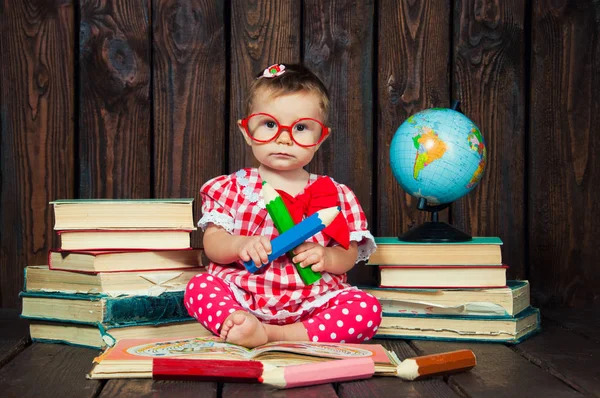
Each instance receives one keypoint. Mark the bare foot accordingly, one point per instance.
(244, 329)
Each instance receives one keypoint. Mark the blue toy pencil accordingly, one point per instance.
(298, 234)
(283, 221)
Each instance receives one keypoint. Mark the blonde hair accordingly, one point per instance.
(296, 78)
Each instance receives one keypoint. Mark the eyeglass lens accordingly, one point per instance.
(304, 131)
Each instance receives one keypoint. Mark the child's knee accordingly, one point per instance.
(374, 306)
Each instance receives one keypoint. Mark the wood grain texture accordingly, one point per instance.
(36, 132)
(413, 57)
(388, 386)
(338, 47)
(568, 356)
(14, 334)
(563, 152)
(263, 32)
(114, 99)
(489, 81)
(583, 321)
(265, 391)
(189, 97)
(55, 369)
(500, 372)
(161, 388)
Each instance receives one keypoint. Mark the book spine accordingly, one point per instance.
(136, 309)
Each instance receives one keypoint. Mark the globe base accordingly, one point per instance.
(435, 232)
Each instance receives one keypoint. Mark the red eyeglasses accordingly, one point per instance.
(305, 132)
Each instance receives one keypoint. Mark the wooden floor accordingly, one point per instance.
(562, 361)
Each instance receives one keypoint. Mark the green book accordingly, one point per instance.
(107, 310)
(477, 240)
(479, 251)
(511, 330)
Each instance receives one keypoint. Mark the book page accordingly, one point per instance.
(215, 348)
(199, 347)
(321, 350)
(312, 349)
(427, 308)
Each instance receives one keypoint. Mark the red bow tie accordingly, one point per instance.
(319, 195)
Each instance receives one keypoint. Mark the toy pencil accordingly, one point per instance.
(436, 364)
(249, 371)
(258, 372)
(283, 221)
(298, 234)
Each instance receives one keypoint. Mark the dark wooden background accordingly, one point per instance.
(139, 98)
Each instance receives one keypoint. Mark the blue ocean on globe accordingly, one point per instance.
(438, 154)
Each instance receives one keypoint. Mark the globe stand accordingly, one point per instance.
(434, 231)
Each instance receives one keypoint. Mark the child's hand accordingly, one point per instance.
(256, 248)
(309, 253)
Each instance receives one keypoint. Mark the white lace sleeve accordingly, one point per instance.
(366, 244)
(216, 218)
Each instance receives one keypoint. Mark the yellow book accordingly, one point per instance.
(123, 213)
(152, 283)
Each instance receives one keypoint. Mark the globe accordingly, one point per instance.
(439, 155)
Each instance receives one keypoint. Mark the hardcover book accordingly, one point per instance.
(498, 302)
(428, 276)
(149, 283)
(130, 239)
(94, 309)
(510, 330)
(479, 251)
(132, 358)
(123, 213)
(99, 336)
(138, 260)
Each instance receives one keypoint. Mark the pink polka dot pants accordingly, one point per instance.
(209, 300)
(349, 317)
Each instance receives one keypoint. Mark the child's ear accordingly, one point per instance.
(324, 139)
(243, 131)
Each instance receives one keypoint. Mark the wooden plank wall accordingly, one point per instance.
(145, 104)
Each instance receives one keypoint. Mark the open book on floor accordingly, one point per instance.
(132, 358)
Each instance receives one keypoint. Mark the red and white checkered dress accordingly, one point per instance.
(276, 293)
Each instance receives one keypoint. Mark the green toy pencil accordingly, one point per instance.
(283, 221)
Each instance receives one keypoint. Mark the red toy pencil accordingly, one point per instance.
(258, 372)
(307, 374)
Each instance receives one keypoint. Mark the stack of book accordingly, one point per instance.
(120, 272)
(450, 291)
